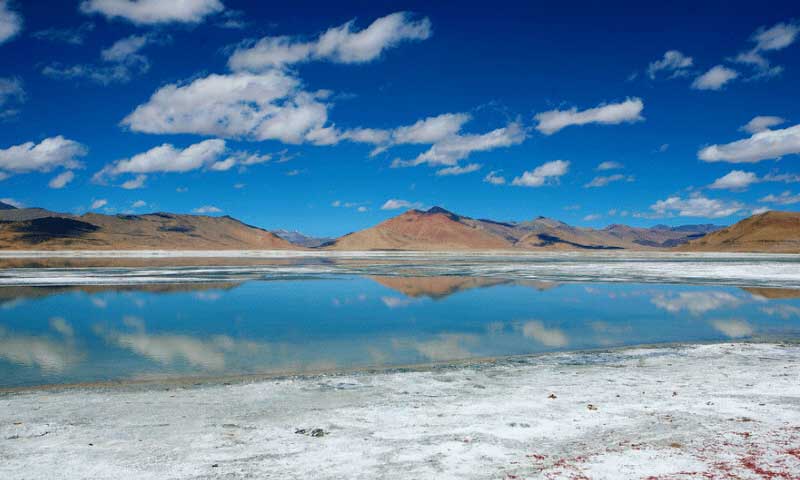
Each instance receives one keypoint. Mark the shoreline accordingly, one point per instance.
(201, 381)
(669, 412)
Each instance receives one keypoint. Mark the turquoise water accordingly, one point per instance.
(75, 333)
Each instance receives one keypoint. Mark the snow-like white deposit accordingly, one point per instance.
(715, 411)
(752, 270)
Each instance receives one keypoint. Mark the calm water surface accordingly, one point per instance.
(69, 333)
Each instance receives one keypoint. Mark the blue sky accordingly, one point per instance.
(330, 118)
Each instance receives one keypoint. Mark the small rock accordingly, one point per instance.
(318, 432)
(591, 407)
(552, 396)
(215, 465)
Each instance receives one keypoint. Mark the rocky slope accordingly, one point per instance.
(39, 229)
(770, 232)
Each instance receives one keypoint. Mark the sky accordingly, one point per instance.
(329, 117)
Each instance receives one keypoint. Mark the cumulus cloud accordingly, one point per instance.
(785, 198)
(150, 12)
(673, 62)
(592, 217)
(761, 123)
(609, 165)
(12, 94)
(207, 209)
(10, 22)
(340, 44)
(396, 204)
(494, 178)
(628, 111)
(545, 174)
(139, 204)
(62, 179)
(211, 154)
(715, 78)
(764, 145)
(45, 156)
(459, 170)
(696, 206)
(602, 181)
(268, 106)
(777, 37)
(735, 180)
(452, 149)
(121, 61)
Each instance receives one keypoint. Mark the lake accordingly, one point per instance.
(84, 318)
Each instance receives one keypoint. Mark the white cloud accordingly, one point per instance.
(761, 123)
(695, 206)
(11, 94)
(134, 183)
(62, 179)
(100, 203)
(339, 44)
(785, 198)
(149, 12)
(602, 181)
(609, 165)
(139, 204)
(50, 153)
(760, 146)
(209, 154)
(547, 173)
(395, 204)
(735, 180)
(777, 37)
(121, 61)
(459, 170)
(10, 22)
(431, 129)
(715, 78)
(592, 217)
(494, 178)
(269, 106)
(608, 114)
(207, 209)
(452, 149)
(12, 202)
(73, 36)
(673, 61)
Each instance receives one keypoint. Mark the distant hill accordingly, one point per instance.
(44, 230)
(301, 239)
(5, 206)
(770, 232)
(440, 229)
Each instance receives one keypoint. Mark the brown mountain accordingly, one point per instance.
(770, 232)
(435, 229)
(439, 229)
(39, 229)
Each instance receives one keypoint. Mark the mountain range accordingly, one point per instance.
(435, 229)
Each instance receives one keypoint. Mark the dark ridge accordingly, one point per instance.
(5, 206)
(176, 228)
(434, 210)
(43, 229)
(494, 222)
(551, 240)
(162, 215)
(129, 217)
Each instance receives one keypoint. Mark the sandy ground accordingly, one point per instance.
(713, 411)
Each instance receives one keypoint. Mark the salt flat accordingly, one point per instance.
(709, 411)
